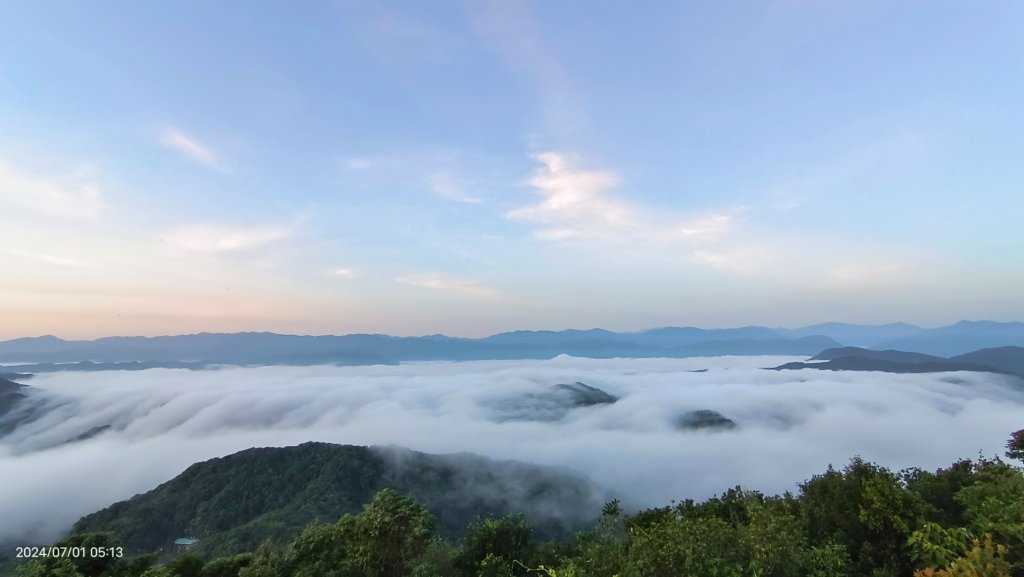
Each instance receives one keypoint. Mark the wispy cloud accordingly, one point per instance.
(887, 154)
(862, 274)
(342, 272)
(357, 163)
(443, 283)
(227, 238)
(447, 187)
(179, 141)
(577, 204)
(50, 259)
(513, 31)
(73, 196)
(745, 258)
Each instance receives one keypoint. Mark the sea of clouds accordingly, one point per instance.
(792, 424)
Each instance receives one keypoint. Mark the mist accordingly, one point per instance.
(141, 428)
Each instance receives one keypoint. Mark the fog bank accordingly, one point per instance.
(144, 427)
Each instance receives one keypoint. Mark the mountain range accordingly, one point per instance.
(197, 351)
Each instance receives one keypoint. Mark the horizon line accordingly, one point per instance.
(592, 329)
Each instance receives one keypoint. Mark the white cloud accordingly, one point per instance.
(50, 259)
(707, 226)
(342, 273)
(357, 164)
(188, 145)
(512, 30)
(73, 196)
(869, 274)
(443, 283)
(449, 188)
(226, 238)
(577, 204)
(792, 424)
(739, 259)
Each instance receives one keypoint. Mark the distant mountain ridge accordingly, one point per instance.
(960, 338)
(38, 354)
(1002, 360)
(858, 335)
(205, 349)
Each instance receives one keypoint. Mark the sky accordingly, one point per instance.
(479, 166)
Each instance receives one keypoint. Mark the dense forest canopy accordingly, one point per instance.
(236, 502)
(965, 520)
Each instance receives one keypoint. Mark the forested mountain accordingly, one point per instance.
(1001, 360)
(966, 520)
(1008, 359)
(886, 355)
(10, 393)
(234, 503)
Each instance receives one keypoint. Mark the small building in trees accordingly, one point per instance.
(184, 544)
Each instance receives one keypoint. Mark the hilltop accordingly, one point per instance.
(234, 503)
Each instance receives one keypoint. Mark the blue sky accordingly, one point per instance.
(471, 167)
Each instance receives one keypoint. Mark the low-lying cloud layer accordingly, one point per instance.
(792, 424)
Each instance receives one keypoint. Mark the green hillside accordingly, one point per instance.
(234, 503)
(966, 520)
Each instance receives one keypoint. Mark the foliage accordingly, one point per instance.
(938, 490)
(935, 546)
(704, 546)
(865, 508)
(994, 504)
(772, 540)
(87, 565)
(827, 560)
(267, 562)
(227, 566)
(389, 533)
(983, 559)
(491, 546)
(966, 520)
(235, 503)
(1015, 446)
(437, 560)
(603, 550)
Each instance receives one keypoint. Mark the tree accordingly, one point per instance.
(602, 551)
(994, 505)
(325, 550)
(187, 565)
(865, 508)
(438, 560)
(983, 559)
(828, 560)
(82, 566)
(938, 490)
(390, 532)
(708, 547)
(267, 562)
(1015, 446)
(934, 546)
(49, 568)
(772, 540)
(492, 543)
(227, 566)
